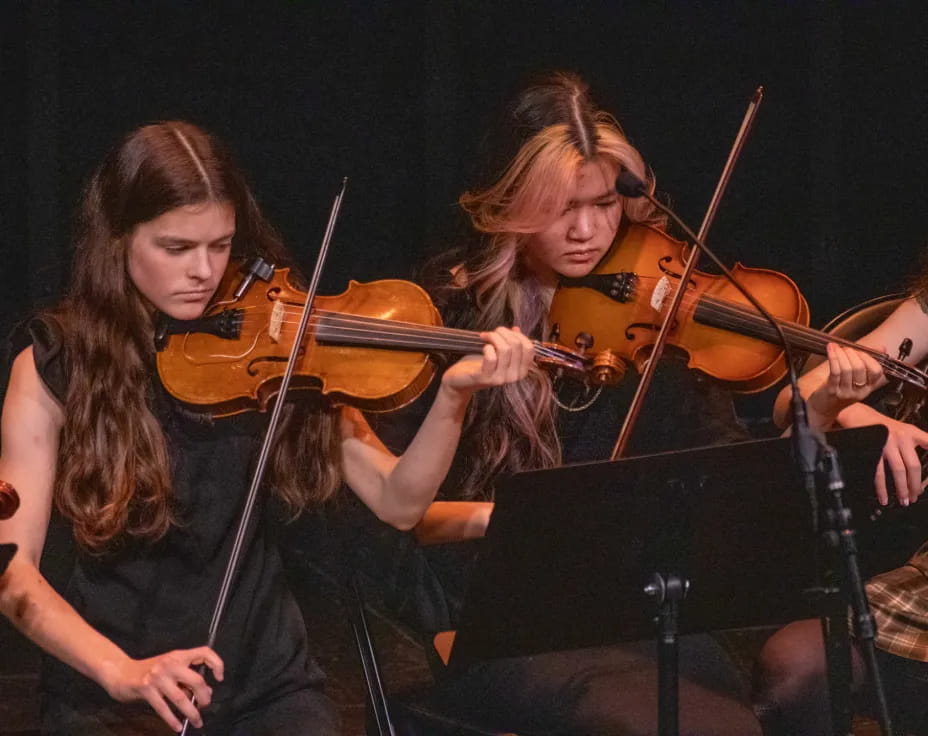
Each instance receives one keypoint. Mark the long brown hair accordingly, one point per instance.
(550, 130)
(114, 472)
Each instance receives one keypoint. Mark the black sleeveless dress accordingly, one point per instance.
(152, 598)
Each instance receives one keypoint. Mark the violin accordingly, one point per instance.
(612, 316)
(370, 346)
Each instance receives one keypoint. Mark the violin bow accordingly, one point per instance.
(631, 417)
(258, 477)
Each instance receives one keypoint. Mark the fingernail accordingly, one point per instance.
(905, 502)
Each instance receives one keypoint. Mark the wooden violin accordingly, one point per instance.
(612, 316)
(370, 346)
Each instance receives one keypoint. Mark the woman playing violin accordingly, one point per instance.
(791, 690)
(153, 491)
(547, 210)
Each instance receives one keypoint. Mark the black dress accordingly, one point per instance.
(151, 598)
(604, 690)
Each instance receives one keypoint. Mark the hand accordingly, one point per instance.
(507, 357)
(852, 376)
(168, 678)
(902, 460)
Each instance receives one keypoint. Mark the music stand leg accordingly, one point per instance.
(840, 536)
(668, 592)
(838, 661)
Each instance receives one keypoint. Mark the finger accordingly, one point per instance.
(182, 703)
(515, 344)
(158, 704)
(879, 484)
(913, 471)
(528, 353)
(845, 369)
(503, 354)
(490, 360)
(205, 655)
(198, 687)
(858, 369)
(875, 376)
(834, 368)
(900, 478)
(920, 437)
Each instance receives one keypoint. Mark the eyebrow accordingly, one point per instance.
(171, 240)
(608, 194)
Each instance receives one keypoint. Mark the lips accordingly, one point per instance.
(193, 295)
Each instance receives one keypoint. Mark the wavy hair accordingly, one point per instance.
(550, 131)
(114, 477)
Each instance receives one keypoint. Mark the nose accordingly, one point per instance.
(582, 227)
(199, 266)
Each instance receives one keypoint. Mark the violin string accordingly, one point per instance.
(372, 329)
(742, 317)
(717, 312)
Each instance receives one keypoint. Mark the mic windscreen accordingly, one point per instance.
(629, 185)
(9, 500)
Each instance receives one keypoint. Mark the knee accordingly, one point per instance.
(789, 674)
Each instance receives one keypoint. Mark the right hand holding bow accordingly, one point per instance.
(168, 679)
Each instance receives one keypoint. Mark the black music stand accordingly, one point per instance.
(572, 554)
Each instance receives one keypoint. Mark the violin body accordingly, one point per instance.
(614, 315)
(227, 376)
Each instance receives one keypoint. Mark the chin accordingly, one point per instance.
(183, 312)
(577, 270)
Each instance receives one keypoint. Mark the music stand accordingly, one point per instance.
(570, 551)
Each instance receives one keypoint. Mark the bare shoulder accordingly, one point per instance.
(31, 427)
(28, 398)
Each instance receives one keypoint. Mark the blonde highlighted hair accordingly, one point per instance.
(553, 128)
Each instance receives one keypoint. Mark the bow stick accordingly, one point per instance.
(631, 417)
(258, 477)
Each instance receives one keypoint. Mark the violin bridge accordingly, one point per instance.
(660, 294)
(276, 321)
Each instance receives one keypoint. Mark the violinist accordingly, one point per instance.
(791, 688)
(153, 490)
(547, 209)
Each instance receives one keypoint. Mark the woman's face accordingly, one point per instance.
(575, 242)
(177, 259)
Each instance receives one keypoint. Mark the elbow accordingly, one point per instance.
(17, 600)
(403, 517)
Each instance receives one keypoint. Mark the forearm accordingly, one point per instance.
(414, 479)
(43, 616)
(453, 521)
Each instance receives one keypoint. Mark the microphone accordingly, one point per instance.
(805, 443)
(9, 500)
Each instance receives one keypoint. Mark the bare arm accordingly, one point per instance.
(453, 521)
(399, 490)
(835, 389)
(907, 321)
(31, 425)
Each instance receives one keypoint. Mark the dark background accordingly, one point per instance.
(396, 95)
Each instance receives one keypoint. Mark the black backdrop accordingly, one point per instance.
(396, 95)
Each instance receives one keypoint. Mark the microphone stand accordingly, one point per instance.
(813, 456)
